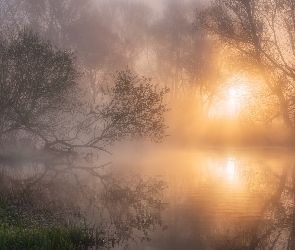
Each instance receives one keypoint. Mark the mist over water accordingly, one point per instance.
(175, 198)
(166, 124)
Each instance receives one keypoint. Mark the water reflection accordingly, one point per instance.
(232, 199)
(235, 199)
(225, 171)
(230, 169)
(273, 225)
(127, 206)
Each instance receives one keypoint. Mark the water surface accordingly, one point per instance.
(166, 198)
(223, 199)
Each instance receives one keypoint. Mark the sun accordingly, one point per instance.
(232, 92)
(232, 103)
(233, 97)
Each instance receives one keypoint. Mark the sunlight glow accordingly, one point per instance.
(231, 173)
(227, 172)
(232, 105)
(236, 95)
(232, 92)
(232, 98)
(230, 169)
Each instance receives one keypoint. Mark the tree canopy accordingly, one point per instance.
(41, 99)
(37, 81)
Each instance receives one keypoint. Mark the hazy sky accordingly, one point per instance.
(157, 4)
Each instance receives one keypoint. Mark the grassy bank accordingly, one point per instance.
(18, 232)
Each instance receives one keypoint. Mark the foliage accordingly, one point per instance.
(40, 99)
(68, 237)
(37, 82)
(135, 109)
(16, 233)
(42, 110)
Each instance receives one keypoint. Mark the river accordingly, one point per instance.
(165, 198)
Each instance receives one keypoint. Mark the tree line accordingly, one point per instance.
(190, 48)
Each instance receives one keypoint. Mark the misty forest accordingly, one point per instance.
(147, 125)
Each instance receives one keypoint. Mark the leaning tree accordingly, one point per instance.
(40, 98)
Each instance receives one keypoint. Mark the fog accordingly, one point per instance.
(160, 124)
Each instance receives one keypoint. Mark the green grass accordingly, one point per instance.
(17, 234)
(58, 237)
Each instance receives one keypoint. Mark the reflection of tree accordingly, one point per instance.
(273, 226)
(134, 205)
(53, 127)
(128, 207)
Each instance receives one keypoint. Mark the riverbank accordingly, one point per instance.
(21, 228)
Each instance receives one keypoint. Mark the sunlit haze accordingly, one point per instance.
(147, 124)
(232, 92)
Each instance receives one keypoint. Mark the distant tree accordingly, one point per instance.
(183, 58)
(100, 49)
(131, 22)
(116, 34)
(178, 50)
(40, 98)
(88, 27)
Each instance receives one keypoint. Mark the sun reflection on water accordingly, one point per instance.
(225, 172)
(230, 169)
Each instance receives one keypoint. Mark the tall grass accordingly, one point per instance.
(58, 237)
(16, 234)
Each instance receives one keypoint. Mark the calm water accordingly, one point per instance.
(169, 198)
(223, 199)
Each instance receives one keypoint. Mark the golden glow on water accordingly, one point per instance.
(226, 173)
(231, 173)
(221, 191)
(230, 169)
